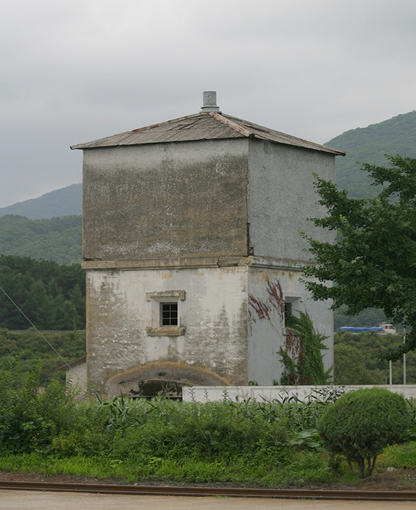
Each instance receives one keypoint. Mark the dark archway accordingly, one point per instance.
(159, 378)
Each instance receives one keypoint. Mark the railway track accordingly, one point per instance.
(142, 490)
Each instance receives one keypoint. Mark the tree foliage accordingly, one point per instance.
(57, 239)
(373, 261)
(367, 318)
(350, 368)
(362, 423)
(361, 359)
(51, 295)
(32, 350)
(28, 419)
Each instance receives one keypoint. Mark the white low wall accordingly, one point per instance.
(212, 393)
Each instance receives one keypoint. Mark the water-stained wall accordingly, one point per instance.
(214, 225)
(282, 198)
(165, 200)
(268, 290)
(213, 313)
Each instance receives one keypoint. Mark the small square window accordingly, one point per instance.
(168, 314)
(288, 310)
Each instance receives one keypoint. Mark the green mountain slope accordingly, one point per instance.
(61, 202)
(56, 239)
(368, 145)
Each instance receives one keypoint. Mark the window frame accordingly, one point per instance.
(157, 299)
(293, 304)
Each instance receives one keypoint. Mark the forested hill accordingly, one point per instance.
(368, 145)
(51, 295)
(60, 202)
(56, 239)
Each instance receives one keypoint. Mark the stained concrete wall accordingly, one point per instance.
(212, 350)
(171, 199)
(282, 198)
(145, 205)
(269, 288)
(220, 338)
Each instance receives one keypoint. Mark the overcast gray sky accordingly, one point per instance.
(77, 70)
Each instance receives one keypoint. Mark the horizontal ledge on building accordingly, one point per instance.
(194, 263)
(161, 295)
(166, 331)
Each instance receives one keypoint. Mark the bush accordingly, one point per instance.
(362, 423)
(214, 430)
(30, 420)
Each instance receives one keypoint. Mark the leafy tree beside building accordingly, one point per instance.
(373, 261)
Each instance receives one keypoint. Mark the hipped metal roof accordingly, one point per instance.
(202, 126)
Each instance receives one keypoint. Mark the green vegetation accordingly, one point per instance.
(370, 144)
(361, 359)
(367, 318)
(51, 295)
(371, 263)
(349, 367)
(57, 239)
(362, 423)
(173, 440)
(32, 351)
(273, 444)
(302, 353)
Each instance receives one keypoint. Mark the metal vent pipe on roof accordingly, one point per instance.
(210, 102)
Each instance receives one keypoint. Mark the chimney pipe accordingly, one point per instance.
(210, 102)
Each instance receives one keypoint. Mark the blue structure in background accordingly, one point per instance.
(350, 329)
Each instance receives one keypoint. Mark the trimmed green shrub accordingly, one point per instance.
(362, 423)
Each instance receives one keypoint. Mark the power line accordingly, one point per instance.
(30, 322)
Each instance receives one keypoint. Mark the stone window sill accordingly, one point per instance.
(166, 331)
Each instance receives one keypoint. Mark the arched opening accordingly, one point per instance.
(161, 378)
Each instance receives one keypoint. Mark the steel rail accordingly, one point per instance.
(242, 492)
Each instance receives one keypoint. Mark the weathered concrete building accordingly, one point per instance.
(192, 252)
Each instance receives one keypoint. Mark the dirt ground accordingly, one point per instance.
(395, 480)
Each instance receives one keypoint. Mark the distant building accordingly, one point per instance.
(192, 250)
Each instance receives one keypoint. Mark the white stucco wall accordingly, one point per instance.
(267, 331)
(214, 314)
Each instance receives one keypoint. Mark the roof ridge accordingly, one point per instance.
(231, 124)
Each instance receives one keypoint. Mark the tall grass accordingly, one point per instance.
(252, 441)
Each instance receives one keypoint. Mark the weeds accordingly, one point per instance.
(269, 443)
